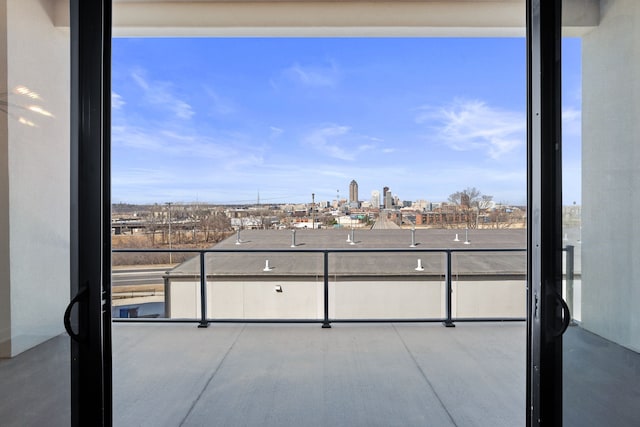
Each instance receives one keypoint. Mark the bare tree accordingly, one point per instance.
(152, 224)
(215, 226)
(466, 197)
(470, 201)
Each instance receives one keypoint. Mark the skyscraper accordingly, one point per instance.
(353, 191)
(388, 199)
(375, 199)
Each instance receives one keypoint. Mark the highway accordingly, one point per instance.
(131, 276)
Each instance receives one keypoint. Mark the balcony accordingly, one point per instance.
(378, 369)
(386, 374)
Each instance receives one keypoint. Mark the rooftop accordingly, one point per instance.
(373, 264)
(383, 374)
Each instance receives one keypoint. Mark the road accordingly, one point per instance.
(383, 223)
(138, 276)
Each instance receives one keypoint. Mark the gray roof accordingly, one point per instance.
(242, 262)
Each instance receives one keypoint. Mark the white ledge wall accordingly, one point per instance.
(318, 18)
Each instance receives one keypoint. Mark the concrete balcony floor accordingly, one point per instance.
(301, 375)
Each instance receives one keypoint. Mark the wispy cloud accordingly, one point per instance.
(142, 177)
(219, 104)
(314, 75)
(467, 125)
(140, 80)
(183, 143)
(327, 140)
(275, 132)
(116, 101)
(339, 142)
(160, 94)
(571, 121)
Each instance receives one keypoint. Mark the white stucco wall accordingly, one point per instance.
(611, 174)
(36, 184)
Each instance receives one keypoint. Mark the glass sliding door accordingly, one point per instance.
(34, 214)
(601, 106)
(271, 134)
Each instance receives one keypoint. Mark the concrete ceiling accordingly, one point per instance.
(332, 18)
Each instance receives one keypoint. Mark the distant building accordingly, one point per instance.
(388, 199)
(424, 205)
(375, 199)
(353, 191)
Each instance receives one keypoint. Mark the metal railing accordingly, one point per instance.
(448, 320)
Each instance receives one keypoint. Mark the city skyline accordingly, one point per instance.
(227, 119)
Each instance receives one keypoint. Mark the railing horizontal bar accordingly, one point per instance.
(373, 320)
(409, 250)
(384, 320)
(337, 250)
(420, 320)
(153, 250)
(165, 320)
(152, 320)
(491, 319)
(264, 320)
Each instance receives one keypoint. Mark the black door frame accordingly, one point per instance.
(90, 327)
(547, 313)
(88, 317)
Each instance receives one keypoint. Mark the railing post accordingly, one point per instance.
(448, 322)
(326, 323)
(203, 294)
(569, 277)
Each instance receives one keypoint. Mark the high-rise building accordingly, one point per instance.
(375, 199)
(353, 191)
(388, 199)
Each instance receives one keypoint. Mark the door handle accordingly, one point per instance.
(82, 292)
(566, 316)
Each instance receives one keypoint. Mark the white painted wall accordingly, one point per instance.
(611, 174)
(5, 290)
(35, 179)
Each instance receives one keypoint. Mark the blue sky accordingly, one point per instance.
(221, 120)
